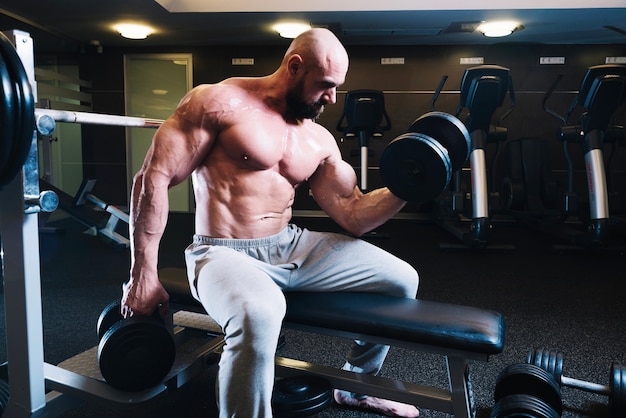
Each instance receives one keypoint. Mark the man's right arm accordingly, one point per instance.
(178, 147)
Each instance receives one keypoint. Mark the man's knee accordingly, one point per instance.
(406, 280)
(258, 318)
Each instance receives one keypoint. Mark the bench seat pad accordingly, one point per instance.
(415, 321)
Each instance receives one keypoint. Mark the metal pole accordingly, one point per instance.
(97, 119)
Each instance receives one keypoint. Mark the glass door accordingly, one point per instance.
(154, 85)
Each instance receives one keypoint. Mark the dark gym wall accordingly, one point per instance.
(408, 93)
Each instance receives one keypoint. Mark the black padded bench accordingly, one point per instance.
(460, 333)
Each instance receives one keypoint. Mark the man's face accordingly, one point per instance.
(298, 105)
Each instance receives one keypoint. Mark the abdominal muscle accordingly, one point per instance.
(241, 202)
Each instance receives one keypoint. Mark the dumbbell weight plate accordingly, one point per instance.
(448, 131)
(301, 396)
(617, 398)
(549, 360)
(136, 354)
(415, 167)
(109, 316)
(522, 406)
(531, 380)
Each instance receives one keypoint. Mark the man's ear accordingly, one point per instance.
(294, 64)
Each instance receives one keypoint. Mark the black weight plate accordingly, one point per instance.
(617, 398)
(7, 116)
(136, 354)
(518, 406)
(447, 130)
(549, 360)
(415, 168)
(301, 396)
(24, 112)
(531, 380)
(109, 316)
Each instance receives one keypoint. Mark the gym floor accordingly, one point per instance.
(571, 302)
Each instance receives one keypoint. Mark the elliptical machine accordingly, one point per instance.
(483, 90)
(602, 91)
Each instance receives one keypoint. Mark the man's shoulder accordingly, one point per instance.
(225, 91)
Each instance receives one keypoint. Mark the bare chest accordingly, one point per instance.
(292, 151)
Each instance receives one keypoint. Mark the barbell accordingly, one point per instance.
(418, 165)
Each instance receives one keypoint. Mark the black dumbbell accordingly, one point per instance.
(552, 362)
(417, 166)
(134, 354)
(526, 390)
(301, 396)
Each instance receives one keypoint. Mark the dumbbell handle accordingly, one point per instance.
(585, 386)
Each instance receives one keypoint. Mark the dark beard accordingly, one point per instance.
(299, 109)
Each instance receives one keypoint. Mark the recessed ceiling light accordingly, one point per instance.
(133, 30)
(497, 29)
(291, 29)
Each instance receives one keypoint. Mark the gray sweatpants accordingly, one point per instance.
(240, 285)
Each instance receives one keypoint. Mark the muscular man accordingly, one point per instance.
(248, 143)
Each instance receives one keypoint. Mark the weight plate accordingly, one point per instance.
(24, 112)
(415, 167)
(617, 398)
(447, 130)
(136, 354)
(7, 116)
(109, 316)
(301, 396)
(549, 360)
(528, 379)
(522, 406)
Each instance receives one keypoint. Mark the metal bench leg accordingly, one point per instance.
(461, 387)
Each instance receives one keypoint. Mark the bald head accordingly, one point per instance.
(318, 47)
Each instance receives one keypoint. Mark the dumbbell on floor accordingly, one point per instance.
(134, 354)
(418, 165)
(552, 362)
(526, 390)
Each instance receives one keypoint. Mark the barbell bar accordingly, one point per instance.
(93, 118)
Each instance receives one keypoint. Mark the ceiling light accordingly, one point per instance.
(133, 30)
(291, 30)
(496, 29)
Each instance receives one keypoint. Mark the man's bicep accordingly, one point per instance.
(333, 184)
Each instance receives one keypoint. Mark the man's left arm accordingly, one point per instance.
(334, 187)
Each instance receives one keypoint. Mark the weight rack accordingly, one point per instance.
(37, 388)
